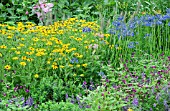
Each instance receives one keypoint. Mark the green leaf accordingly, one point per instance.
(24, 18)
(20, 10)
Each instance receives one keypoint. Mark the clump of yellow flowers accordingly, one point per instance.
(30, 47)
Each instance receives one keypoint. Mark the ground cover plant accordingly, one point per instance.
(76, 65)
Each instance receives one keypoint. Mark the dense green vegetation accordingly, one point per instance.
(76, 55)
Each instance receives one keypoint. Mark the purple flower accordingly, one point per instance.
(153, 67)
(72, 101)
(98, 107)
(26, 90)
(165, 104)
(28, 102)
(4, 94)
(78, 99)
(84, 83)
(154, 105)
(87, 106)
(135, 102)
(66, 96)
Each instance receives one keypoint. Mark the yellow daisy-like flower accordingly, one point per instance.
(107, 35)
(23, 63)
(3, 47)
(36, 75)
(48, 62)
(29, 59)
(8, 67)
(15, 58)
(84, 65)
(80, 56)
(24, 58)
(54, 66)
(9, 37)
(22, 38)
(17, 52)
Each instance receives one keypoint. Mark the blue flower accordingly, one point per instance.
(120, 18)
(74, 60)
(166, 17)
(131, 45)
(158, 22)
(86, 29)
(116, 23)
(168, 11)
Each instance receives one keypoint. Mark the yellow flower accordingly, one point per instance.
(48, 62)
(80, 56)
(106, 35)
(129, 109)
(13, 48)
(35, 39)
(3, 47)
(54, 66)
(22, 39)
(9, 37)
(84, 65)
(49, 43)
(24, 58)
(7, 67)
(17, 52)
(15, 58)
(23, 63)
(21, 45)
(29, 59)
(36, 75)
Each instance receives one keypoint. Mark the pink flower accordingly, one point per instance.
(38, 14)
(42, 6)
(26, 12)
(47, 7)
(36, 7)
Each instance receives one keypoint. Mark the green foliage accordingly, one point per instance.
(15, 10)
